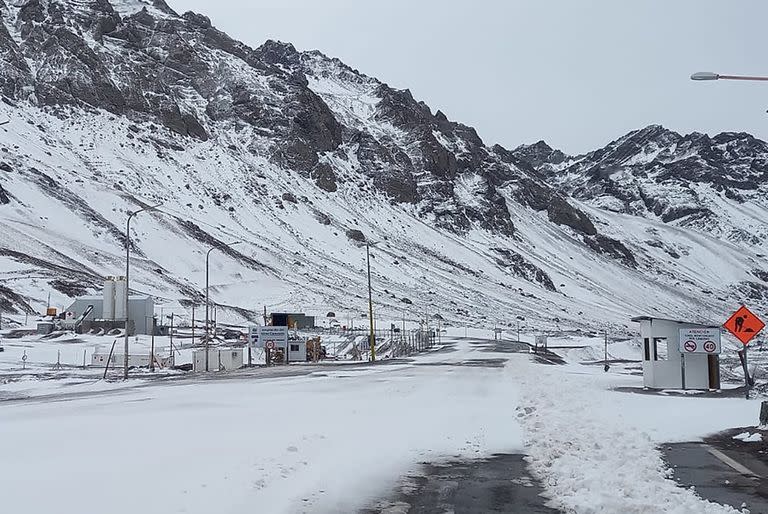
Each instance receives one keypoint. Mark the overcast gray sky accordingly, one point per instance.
(574, 73)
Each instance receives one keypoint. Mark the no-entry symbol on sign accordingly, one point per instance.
(690, 346)
(744, 325)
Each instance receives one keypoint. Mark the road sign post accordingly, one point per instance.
(744, 325)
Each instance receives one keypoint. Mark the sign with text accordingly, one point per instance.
(700, 340)
(277, 335)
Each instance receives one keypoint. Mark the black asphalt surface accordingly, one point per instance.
(497, 484)
(695, 465)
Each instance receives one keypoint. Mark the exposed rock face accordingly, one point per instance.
(540, 153)
(521, 267)
(356, 235)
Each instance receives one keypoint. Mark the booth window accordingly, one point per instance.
(294, 348)
(660, 348)
(647, 348)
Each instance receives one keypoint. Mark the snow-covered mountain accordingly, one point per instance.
(714, 184)
(116, 105)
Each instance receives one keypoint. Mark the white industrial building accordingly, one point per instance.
(135, 360)
(109, 309)
(669, 363)
(219, 359)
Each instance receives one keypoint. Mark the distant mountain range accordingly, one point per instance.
(119, 104)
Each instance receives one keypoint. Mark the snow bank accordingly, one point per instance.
(749, 438)
(594, 450)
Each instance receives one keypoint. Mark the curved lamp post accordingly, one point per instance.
(207, 260)
(127, 271)
(371, 336)
(708, 75)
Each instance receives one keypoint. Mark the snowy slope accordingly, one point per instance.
(126, 104)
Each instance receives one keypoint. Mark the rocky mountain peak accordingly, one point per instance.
(539, 154)
(277, 52)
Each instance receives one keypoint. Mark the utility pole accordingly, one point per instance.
(171, 333)
(606, 367)
(193, 324)
(152, 346)
(127, 284)
(372, 338)
(205, 344)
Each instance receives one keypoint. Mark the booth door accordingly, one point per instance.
(714, 371)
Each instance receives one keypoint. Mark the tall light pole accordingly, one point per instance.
(372, 337)
(127, 272)
(708, 75)
(207, 333)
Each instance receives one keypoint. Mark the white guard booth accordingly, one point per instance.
(219, 359)
(679, 355)
(297, 351)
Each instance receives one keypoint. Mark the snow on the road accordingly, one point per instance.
(340, 437)
(595, 450)
(327, 442)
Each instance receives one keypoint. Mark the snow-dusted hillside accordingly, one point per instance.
(119, 104)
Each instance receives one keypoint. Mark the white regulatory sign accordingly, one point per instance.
(700, 340)
(253, 336)
(279, 335)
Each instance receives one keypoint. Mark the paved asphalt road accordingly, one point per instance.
(498, 484)
(697, 465)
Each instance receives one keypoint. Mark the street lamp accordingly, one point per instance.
(127, 271)
(371, 337)
(707, 75)
(6, 122)
(207, 260)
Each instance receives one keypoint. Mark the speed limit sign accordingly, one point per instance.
(270, 345)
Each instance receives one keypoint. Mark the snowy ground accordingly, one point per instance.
(337, 438)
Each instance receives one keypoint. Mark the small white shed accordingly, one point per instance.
(219, 359)
(669, 363)
(297, 351)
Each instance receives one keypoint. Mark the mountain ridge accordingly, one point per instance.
(121, 104)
